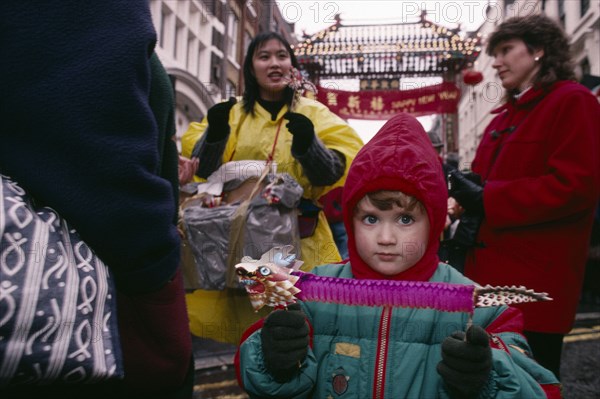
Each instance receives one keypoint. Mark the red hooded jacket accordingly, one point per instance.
(540, 161)
(399, 158)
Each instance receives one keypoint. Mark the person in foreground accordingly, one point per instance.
(88, 123)
(306, 140)
(539, 161)
(394, 205)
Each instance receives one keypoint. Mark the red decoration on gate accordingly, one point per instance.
(382, 104)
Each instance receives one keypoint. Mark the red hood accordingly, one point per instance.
(400, 157)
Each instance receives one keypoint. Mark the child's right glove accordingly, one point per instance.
(285, 341)
(466, 365)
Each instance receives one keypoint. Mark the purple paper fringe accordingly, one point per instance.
(409, 294)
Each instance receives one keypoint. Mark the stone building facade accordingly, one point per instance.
(202, 44)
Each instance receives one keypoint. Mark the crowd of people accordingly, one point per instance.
(102, 132)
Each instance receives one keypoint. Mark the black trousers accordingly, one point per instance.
(547, 349)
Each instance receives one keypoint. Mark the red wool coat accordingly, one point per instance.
(540, 161)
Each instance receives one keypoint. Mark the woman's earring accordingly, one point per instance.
(536, 59)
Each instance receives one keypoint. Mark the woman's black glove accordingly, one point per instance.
(285, 340)
(466, 365)
(302, 129)
(468, 193)
(218, 120)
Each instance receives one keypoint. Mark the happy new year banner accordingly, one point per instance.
(382, 104)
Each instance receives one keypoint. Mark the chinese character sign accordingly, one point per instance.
(382, 104)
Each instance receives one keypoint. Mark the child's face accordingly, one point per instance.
(390, 241)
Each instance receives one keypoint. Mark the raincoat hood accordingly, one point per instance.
(399, 158)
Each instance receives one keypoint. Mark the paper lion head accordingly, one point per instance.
(268, 281)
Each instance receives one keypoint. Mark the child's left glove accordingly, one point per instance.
(466, 365)
(285, 341)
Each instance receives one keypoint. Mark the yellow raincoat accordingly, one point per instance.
(224, 315)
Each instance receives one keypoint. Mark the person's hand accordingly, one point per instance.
(303, 131)
(454, 208)
(468, 193)
(218, 120)
(448, 222)
(466, 364)
(285, 340)
(187, 169)
(473, 177)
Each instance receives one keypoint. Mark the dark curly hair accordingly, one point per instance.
(251, 92)
(538, 32)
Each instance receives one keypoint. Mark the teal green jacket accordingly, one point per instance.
(349, 357)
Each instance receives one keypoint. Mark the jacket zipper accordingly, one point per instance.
(498, 343)
(381, 357)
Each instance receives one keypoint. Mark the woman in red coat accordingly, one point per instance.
(539, 161)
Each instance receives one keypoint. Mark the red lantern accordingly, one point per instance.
(472, 77)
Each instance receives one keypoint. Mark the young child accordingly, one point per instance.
(394, 206)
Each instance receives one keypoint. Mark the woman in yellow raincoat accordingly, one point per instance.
(309, 142)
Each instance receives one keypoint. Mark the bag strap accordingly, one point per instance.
(238, 227)
(238, 222)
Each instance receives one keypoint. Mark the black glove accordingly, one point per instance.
(284, 339)
(447, 170)
(473, 177)
(218, 120)
(302, 129)
(466, 365)
(468, 193)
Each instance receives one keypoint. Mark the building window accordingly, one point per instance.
(201, 57)
(585, 5)
(215, 68)
(215, 7)
(230, 89)
(167, 27)
(561, 12)
(586, 68)
(161, 38)
(180, 39)
(217, 38)
(192, 53)
(247, 40)
(232, 33)
(508, 6)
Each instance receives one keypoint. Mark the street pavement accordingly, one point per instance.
(580, 368)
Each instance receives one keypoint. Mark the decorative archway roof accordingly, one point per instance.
(416, 49)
